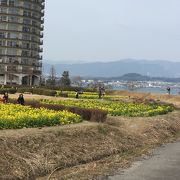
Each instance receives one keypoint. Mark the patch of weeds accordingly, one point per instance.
(60, 133)
(102, 129)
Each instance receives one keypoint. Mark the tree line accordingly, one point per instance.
(52, 80)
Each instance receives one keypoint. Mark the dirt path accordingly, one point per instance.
(163, 165)
(35, 96)
(174, 99)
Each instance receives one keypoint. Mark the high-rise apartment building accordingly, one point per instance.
(21, 26)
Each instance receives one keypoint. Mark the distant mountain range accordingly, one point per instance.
(139, 77)
(118, 68)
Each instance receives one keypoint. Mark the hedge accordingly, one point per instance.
(8, 90)
(39, 91)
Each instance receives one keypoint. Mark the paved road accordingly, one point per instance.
(163, 165)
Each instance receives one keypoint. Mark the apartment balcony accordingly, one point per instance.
(20, 71)
(41, 42)
(40, 50)
(14, 71)
(31, 72)
(17, 46)
(43, 5)
(2, 70)
(42, 13)
(22, 31)
(37, 72)
(38, 57)
(20, 27)
(42, 28)
(42, 21)
(32, 17)
(16, 64)
(23, 8)
(38, 65)
(20, 39)
(21, 23)
(41, 35)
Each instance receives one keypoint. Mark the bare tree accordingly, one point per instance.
(52, 76)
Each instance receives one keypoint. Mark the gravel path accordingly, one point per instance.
(163, 165)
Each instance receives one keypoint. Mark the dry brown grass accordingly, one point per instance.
(84, 150)
(173, 99)
(133, 137)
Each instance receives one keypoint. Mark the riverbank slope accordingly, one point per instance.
(82, 151)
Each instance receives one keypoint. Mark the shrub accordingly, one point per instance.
(61, 94)
(39, 91)
(8, 90)
(25, 89)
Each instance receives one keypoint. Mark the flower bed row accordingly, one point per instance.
(95, 115)
(13, 116)
(116, 108)
(88, 95)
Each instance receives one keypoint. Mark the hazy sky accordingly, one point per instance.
(108, 30)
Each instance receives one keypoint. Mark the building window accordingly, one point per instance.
(26, 29)
(3, 2)
(2, 34)
(3, 10)
(11, 2)
(3, 18)
(13, 11)
(2, 43)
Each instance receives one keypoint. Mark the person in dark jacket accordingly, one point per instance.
(100, 92)
(5, 98)
(168, 90)
(77, 94)
(20, 99)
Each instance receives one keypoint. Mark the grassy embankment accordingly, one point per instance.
(85, 150)
(82, 150)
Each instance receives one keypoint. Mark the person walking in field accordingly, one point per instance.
(20, 99)
(168, 90)
(103, 91)
(77, 94)
(5, 98)
(100, 93)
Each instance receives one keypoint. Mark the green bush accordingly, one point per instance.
(75, 89)
(24, 90)
(39, 91)
(8, 90)
(62, 94)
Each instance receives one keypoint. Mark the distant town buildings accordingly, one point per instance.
(21, 26)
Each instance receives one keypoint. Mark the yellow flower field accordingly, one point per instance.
(90, 95)
(17, 116)
(117, 108)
